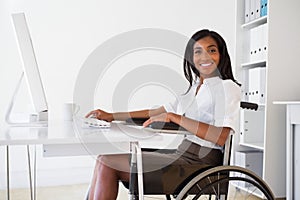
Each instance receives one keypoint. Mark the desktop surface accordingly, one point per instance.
(69, 132)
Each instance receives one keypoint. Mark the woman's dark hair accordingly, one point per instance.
(224, 67)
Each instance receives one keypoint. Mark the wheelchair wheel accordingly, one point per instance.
(226, 182)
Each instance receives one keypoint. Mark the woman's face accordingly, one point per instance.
(206, 57)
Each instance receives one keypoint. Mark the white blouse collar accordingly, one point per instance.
(214, 79)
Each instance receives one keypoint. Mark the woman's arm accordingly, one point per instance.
(100, 114)
(217, 135)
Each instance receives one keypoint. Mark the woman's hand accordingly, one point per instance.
(100, 114)
(164, 117)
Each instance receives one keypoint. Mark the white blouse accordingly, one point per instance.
(216, 103)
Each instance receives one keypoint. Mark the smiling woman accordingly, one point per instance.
(209, 110)
(207, 47)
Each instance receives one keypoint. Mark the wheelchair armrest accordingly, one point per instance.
(249, 105)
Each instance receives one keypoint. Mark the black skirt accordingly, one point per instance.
(165, 171)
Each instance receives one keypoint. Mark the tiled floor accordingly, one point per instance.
(73, 192)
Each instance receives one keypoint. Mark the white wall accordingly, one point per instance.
(65, 33)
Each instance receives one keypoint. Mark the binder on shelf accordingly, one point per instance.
(254, 43)
(257, 80)
(257, 9)
(263, 8)
(245, 93)
(247, 11)
(252, 127)
(264, 30)
(242, 126)
(266, 8)
(252, 9)
(258, 43)
(262, 5)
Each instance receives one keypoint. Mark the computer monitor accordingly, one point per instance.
(30, 72)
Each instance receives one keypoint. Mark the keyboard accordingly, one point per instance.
(94, 123)
(155, 125)
(166, 126)
(136, 121)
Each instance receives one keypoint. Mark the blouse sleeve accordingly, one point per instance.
(171, 106)
(227, 106)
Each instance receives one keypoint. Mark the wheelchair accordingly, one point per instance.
(220, 182)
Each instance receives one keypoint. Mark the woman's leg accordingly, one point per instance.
(107, 173)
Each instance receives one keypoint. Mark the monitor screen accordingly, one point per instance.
(30, 66)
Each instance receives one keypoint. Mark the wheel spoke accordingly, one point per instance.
(226, 182)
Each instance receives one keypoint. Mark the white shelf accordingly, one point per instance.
(258, 145)
(254, 23)
(287, 102)
(272, 134)
(260, 63)
(253, 134)
(261, 106)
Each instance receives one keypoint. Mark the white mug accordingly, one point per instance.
(69, 110)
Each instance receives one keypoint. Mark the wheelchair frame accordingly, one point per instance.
(217, 173)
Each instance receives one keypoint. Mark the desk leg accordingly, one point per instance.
(34, 174)
(7, 173)
(32, 179)
(32, 192)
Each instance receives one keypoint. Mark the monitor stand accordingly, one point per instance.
(34, 119)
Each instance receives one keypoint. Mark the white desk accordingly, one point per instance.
(66, 138)
(65, 132)
(292, 148)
